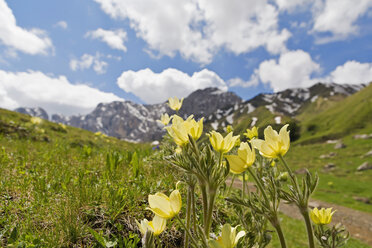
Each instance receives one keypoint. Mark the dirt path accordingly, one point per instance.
(358, 223)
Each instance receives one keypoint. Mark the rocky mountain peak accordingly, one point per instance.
(37, 112)
(206, 101)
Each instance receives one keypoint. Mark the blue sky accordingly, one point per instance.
(67, 56)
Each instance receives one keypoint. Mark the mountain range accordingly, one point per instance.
(137, 122)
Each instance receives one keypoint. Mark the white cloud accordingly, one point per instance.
(113, 38)
(34, 41)
(54, 94)
(296, 69)
(291, 5)
(62, 24)
(338, 17)
(238, 82)
(197, 29)
(87, 61)
(154, 87)
(293, 69)
(352, 72)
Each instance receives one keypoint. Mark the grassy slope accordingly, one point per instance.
(295, 233)
(346, 181)
(56, 199)
(345, 117)
(55, 184)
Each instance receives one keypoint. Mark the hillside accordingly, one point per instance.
(65, 186)
(338, 119)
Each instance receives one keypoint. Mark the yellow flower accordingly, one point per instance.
(245, 158)
(164, 119)
(275, 144)
(63, 126)
(180, 129)
(229, 129)
(196, 128)
(164, 206)
(157, 225)
(174, 103)
(322, 216)
(36, 120)
(251, 133)
(228, 238)
(220, 144)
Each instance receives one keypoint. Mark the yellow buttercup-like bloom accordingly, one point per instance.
(36, 120)
(251, 133)
(245, 158)
(196, 128)
(174, 103)
(164, 206)
(157, 225)
(220, 144)
(275, 144)
(180, 130)
(228, 238)
(322, 216)
(164, 119)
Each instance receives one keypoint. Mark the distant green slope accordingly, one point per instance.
(339, 119)
(14, 125)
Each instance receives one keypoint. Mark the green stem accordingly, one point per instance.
(309, 227)
(293, 177)
(188, 216)
(244, 182)
(259, 186)
(193, 207)
(187, 231)
(212, 197)
(231, 184)
(205, 204)
(279, 231)
(303, 209)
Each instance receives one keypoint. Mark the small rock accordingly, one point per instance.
(329, 167)
(368, 154)
(332, 141)
(364, 166)
(362, 136)
(365, 200)
(330, 155)
(314, 204)
(301, 171)
(340, 145)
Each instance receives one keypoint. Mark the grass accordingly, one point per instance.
(348, 116)
(65, 187)
(295, 233)
(340, 185)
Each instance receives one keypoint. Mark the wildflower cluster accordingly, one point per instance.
(206, 165)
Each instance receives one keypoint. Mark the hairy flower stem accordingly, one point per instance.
(244, 185)
(193, 208)
(203, 190)
(187, 231)
(279, 231)
(293, 177)
(188, 216)
(212, 198)
(304, 208)
(274, 221)
(259, 186)
(231, 184)
(309, 227)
